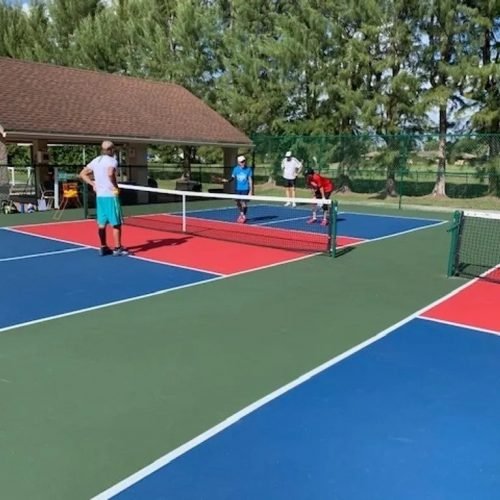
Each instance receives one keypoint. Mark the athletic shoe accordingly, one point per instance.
(287, 204)
(294, 204)
(105, 251)
(324, 222)
(312, 220)
(120, 252)
(240, 219)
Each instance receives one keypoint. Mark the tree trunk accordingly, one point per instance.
(440, 186)
(344, 183)
(186, 162)
(494, 169)
(390, 186)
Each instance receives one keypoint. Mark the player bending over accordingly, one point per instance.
(323, 189)
(242, 174)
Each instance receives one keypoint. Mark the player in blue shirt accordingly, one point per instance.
(242, 175)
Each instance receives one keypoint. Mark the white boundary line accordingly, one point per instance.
(393, 235)
(404, 217)
(216, 277)
(108, 304)
(201, 438)
(213, 209)
(48, 223)
(43, 254)
(286, 220)
(460, 325)
(93, 247)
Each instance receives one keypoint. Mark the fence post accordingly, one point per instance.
(333, 229)
(400, 188)
(455, 234)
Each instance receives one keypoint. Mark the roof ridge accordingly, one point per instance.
(94, 71)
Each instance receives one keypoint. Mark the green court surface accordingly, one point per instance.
(87, 400)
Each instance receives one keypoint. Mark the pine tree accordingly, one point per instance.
(66, 18)
(249, 89)
(14, 31)
(446, 44)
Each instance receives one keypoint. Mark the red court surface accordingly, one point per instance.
(477, 306)
(175, 248)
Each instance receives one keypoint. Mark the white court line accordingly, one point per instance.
(217, 277)
(108, 304)
(181, 450)
(460, 325)
(60, 240)
(213, 209)
(235, 224)
(51, 223)
(404, 217)
(393, 234)
(285, 220)
(43, 254)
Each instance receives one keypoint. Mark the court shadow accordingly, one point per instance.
(262, 218)
(344, 250)
(160, 243)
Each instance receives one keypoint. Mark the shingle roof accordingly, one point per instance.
(60, 101)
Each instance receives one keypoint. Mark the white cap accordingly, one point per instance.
(288, 154)
(241, 158)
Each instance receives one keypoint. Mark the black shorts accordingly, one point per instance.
(289, 183)
(317, 194)
(243, 192)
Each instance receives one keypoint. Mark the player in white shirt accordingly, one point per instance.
(103, 170)
(290, 168)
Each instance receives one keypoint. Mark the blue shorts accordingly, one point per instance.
(109, 211)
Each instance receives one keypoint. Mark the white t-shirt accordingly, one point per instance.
(290, 167)
(100, 167)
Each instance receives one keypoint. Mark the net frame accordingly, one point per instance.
(184, 196)
(461, 218)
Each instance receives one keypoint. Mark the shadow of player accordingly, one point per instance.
(159, 243)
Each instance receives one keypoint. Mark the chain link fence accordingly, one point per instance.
(459, 166)
(398, 167)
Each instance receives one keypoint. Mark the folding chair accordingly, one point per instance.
(47, 195)
(70, 196)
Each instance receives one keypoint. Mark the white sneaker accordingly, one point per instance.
(287, 204)
(294, 204)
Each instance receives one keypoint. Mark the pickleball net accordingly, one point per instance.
(475, 245)
(270, 220)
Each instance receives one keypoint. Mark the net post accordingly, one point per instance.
(455, 233)
(184, 213)
(332, 227)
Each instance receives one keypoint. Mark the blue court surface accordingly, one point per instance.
(14, 245)
(412, 416)
(354, 225)
(67, 278)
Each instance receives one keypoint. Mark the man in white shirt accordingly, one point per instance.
(290, 168)
(103, 170)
